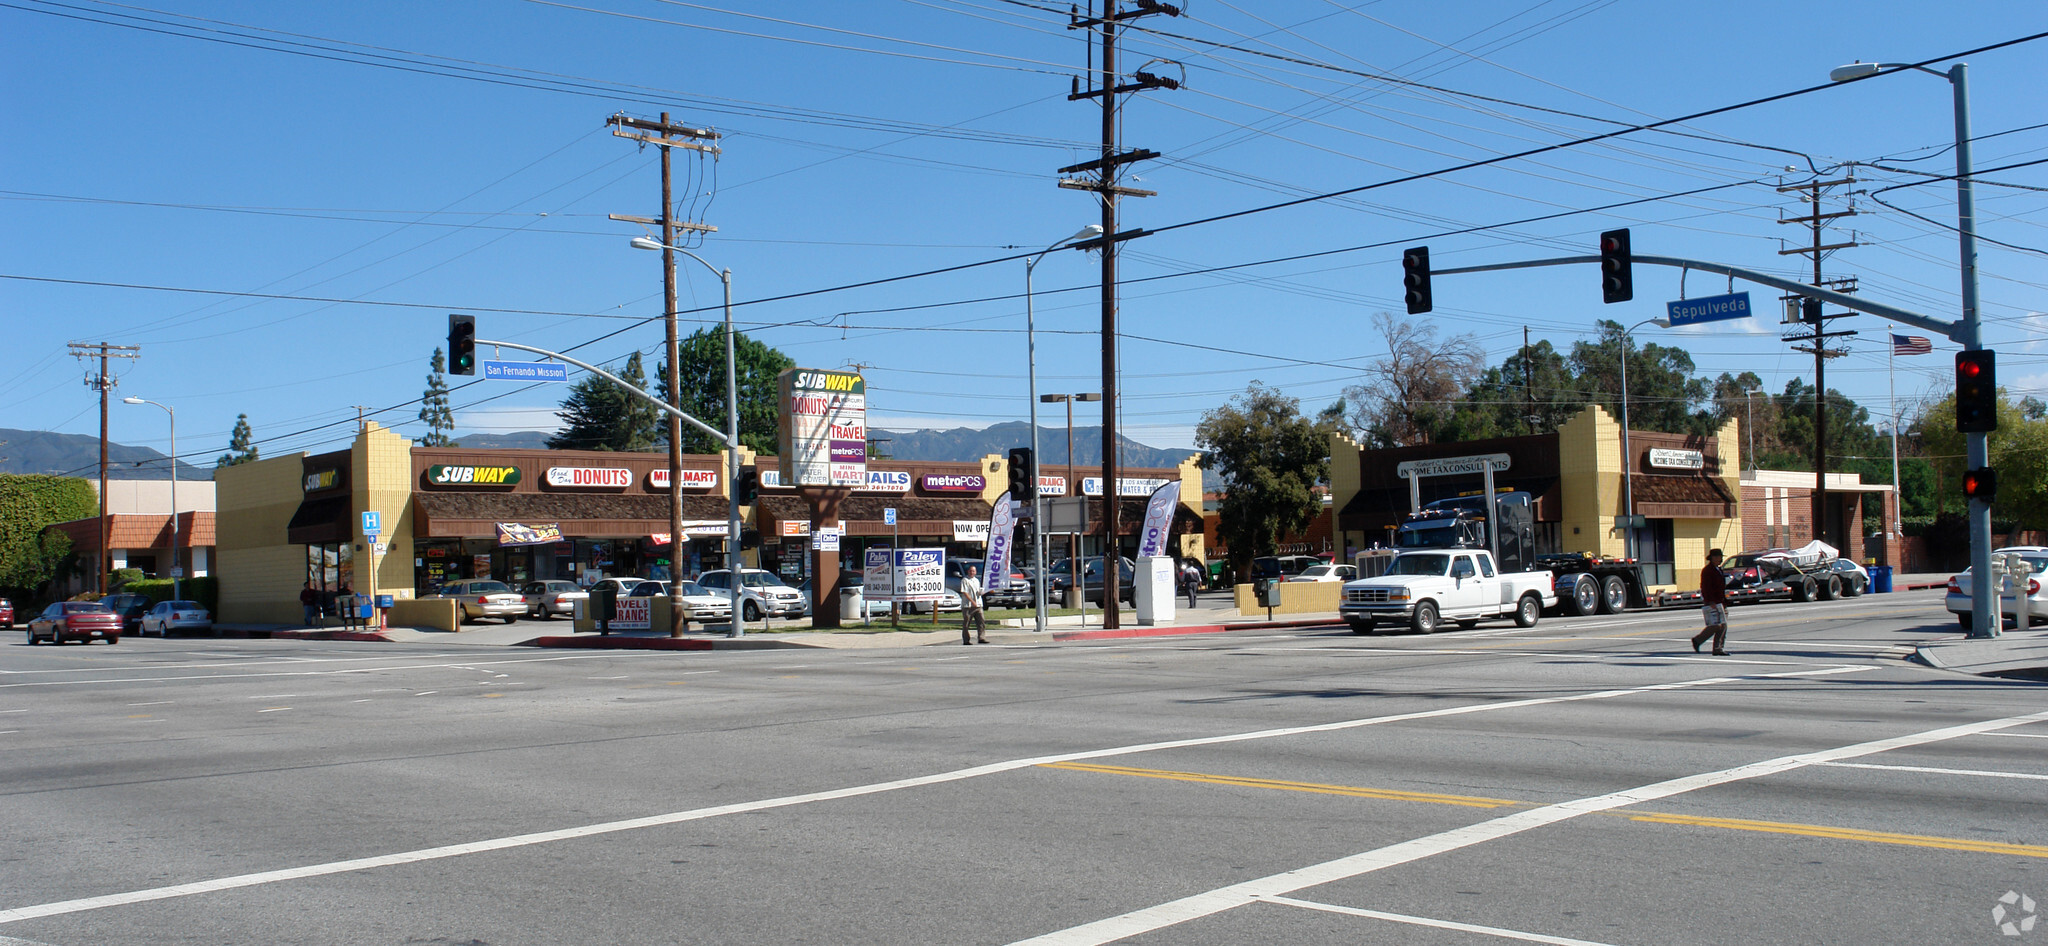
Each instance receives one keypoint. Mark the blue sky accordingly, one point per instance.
(322, 183)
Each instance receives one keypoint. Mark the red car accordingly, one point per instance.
(6, 613)
(76, 620)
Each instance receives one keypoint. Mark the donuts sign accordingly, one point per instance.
(583, 477)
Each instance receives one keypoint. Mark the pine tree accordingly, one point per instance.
(597, 415)
(240, 449)
(434, 406)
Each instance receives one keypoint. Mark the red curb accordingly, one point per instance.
(1173, 629)
(330, 636)
(624, 643)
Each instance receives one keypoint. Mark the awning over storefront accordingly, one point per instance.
(320, 521)
(1682, 497)
(476, 515)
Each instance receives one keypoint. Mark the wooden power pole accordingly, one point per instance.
(104, 383)
(1816, 323)
(1107, 85)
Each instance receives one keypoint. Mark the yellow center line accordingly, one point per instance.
(1648, 817)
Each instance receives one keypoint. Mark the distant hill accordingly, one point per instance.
(521, 440)
(966, 443)
(41, 451)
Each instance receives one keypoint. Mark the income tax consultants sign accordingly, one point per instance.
(822, 427)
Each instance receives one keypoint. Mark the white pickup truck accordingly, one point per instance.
(1424, 589)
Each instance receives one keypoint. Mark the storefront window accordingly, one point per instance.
(329, 565)
(1657, 553)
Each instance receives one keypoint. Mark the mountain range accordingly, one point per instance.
(42, 451)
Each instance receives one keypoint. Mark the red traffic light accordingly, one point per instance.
(1980, 484)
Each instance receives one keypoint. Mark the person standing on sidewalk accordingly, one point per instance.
(1190, 580)
(309, 600)
(970, 609)
(1714, 605)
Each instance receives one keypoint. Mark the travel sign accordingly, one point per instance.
(1734, 305)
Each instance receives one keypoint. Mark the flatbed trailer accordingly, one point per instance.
(1598, 584)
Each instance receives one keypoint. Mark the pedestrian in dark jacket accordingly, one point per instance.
(1713, 605)
(309, 601)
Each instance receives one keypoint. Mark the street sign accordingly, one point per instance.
(372, 522)
(526, 371)
(889, 516)
(1734, 305)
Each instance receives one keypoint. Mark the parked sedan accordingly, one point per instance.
(170, 616)
(2035, 604)
(483, 598)
(131, 607)
(6, 613)
(545, 599)
(1327, 573)
(76, 620)
(699, 604)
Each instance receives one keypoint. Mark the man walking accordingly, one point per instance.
(970, 609)
(1714, 605)
(1191, 580)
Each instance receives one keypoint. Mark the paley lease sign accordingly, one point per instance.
(821, 427)
(908, 575)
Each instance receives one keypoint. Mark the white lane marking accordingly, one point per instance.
(2019, 735)
(1171, 913)
(619, 677)
(83, 904)
(274, 709)
(13, 711)
(8, 732)
(272, 696)
(154, 703)
(298, 673)
(1427, 921)
(359, 701)
(1983, 773)
(426, 692)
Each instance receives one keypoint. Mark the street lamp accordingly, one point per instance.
(1984, 619)
(1628, 459)
(732, 452)
(1074, 485)
(1031, 355)
(177, 568)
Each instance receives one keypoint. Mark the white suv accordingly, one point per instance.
(761, 593)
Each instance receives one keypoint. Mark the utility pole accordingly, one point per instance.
(1816, 322)
(664, 135)
(104, 382)
(1106, 86)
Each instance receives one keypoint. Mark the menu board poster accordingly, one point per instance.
(822, 427)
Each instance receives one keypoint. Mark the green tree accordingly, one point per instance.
(1533, 391)
(1270, 458)
(241, 448)
(434, 410)
(599, 416)
(1661, 388)
(28, 557)
(700, 362)
(2018, 452)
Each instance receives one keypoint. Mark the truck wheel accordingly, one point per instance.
(1803, 590)
(1361, 627)
(1831, 589)
(1425, 620)
(1528, 611)
(1613, 595)
(1583, 598)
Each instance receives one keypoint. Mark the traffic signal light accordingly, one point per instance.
(748, 487)
(1415, 279)
(1023, 474)
(1980, 484)
(1976, 391)
(1617, 267)
(462, 344)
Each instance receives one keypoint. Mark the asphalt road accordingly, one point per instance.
(1584, 781)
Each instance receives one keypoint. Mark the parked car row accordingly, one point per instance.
(2025, 612)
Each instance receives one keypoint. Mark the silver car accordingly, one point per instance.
(699, 605)
(483, 598)
(2034, 604)
(545, 599)
(170, 616)
(761, 593)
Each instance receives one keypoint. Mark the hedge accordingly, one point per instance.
(205, 590)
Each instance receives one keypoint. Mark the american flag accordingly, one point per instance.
(1911, 345)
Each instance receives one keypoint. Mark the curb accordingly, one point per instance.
(622, 643)
(1174, 629)
(327, 636)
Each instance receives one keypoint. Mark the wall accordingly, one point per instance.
(1589, 483)
(380, 469)
(259, 573)
(1297, 597)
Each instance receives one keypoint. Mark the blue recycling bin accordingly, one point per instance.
(1881, 579)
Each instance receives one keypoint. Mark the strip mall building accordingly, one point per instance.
(523, 515)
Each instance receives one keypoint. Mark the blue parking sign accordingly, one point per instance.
(888, 516)
(372, 523)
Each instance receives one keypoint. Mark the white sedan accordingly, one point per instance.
(1326, 573)
(2036, 602)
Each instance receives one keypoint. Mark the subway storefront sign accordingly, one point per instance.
(448, 475)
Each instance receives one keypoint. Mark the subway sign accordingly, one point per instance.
(443, 475)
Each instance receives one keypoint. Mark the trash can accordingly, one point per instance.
(1070, 597)
(1880, 579)
(852, 603)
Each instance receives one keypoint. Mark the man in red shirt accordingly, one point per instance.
(1714, 605)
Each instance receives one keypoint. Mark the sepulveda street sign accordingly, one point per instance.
(1734, 305)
